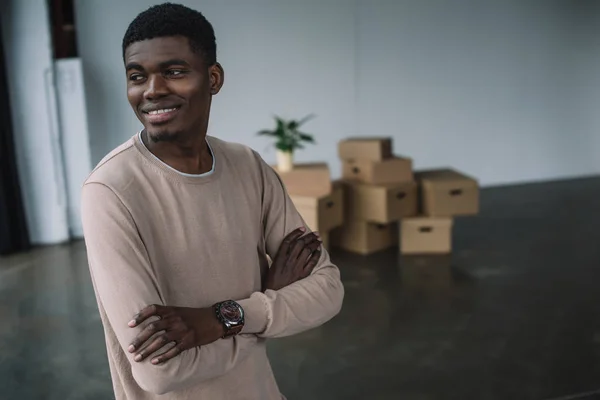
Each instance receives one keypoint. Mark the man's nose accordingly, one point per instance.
(157, 87)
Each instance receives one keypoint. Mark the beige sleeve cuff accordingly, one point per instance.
(256, 313)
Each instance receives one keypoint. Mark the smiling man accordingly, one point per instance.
(179, 227)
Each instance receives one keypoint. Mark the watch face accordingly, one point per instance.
(231, 312)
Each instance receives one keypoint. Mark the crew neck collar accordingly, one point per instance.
(175, 174)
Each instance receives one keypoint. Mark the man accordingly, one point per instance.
(179, 226)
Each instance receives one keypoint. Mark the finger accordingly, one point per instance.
(291, 238)
(303, 257)
(147, 333)
(309, 246)
(172, 353)
(158, 343)
(299, 246)
(312, 262)
(314, 244)
(146, 313)
(295, 250)
(301, 243)
(310, 237)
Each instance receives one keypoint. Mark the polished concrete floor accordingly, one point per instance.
(513, 314)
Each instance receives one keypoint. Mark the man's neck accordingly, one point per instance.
(188, 155)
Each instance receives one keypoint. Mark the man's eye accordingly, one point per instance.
(136, 77)
(175, 72)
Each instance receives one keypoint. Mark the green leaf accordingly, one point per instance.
(266, 132)
(283, 146)
(280, 132)
(306, 119)
(286, 134)
(280, 124)
(306, 137)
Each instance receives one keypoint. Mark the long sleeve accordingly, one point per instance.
(305, 304)
(124, 282)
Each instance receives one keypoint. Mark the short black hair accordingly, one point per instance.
(170, 19)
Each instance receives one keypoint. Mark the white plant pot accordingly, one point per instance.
(285, 161)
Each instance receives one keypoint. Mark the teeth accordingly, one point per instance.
(164, 110)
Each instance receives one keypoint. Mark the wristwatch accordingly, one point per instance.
(231, 315)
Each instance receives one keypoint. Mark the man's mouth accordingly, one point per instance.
(162, 111)
(161, 116)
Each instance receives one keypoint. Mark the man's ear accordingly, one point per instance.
(217, 77)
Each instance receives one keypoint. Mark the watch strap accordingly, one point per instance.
(234, 330)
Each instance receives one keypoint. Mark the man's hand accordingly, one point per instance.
(296, 258)
(183, 327)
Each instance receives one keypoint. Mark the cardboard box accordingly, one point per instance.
(422, 235)
(380, 203)
(325, 238)
(364, 237)
(322, 213)
(445, 193)
(307, 179)
(391, 170)
(365, 148)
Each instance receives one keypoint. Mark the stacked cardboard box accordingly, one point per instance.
(380, 202)
(443, 195)
(379, 190)
(318, 199)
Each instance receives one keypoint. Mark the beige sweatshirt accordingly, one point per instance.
(157, 236)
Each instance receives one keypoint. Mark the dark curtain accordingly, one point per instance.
(14, 236)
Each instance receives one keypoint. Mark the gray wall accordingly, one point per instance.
(504, 90)
(28, 48)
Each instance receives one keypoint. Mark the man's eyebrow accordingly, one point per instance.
(174, 61)
(133, 65)
(163, 65)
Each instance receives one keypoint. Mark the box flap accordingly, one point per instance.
(367, 139)
(363, 147)
(402, 157)
(362, 186)
(395, 185)
(307, 179)
(417, 222)
(392, 158)
(303, 200)
(445, 176)
(311, 165)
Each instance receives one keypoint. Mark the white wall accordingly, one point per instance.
(286, 58)
(499, 89)
(486, 86)
(26, 35)
(586, 40)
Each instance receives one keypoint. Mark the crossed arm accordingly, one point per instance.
(124, 285)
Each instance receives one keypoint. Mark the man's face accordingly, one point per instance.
(169, 87)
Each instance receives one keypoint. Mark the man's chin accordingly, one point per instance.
(157, 135)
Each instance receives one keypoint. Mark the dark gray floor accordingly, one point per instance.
(512, 314)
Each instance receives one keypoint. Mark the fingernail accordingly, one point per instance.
(138, 357)
(155, 361)
(302, 229)
(131, 323)
(131, 348)
(317, 234)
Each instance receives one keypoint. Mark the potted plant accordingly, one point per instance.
(287, 140)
